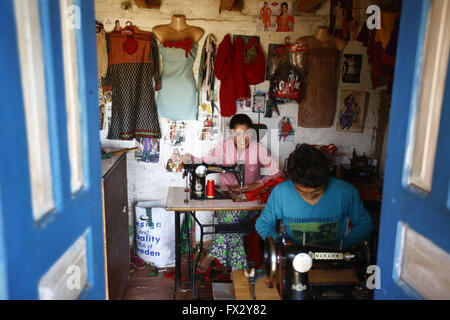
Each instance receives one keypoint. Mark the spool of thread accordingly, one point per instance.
(210, 189)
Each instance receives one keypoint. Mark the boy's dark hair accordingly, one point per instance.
(240, 119)
(307, 166)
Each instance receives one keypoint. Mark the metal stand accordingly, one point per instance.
(243, 227)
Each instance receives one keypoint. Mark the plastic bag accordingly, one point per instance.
(155, 234)
(287, 73)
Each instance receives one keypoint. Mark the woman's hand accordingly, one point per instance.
(247, 187)
(185, 158)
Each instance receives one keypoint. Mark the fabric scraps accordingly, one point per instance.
(262, 193)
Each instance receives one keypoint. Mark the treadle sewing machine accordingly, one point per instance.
(338, 274)
(195, 175)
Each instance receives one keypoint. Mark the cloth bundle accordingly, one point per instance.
(262, 193)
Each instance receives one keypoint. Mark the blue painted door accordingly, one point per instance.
(425, 212)
(68, 234)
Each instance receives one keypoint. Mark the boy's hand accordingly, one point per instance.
(251, 187)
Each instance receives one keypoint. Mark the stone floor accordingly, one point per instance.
(144, 285)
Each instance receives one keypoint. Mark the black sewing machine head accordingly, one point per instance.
(195, 174)
(289, 264)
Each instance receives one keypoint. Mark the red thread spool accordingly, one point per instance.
(210, 189)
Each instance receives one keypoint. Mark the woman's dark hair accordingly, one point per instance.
(307, 166)
(349, 97)
(281, 13)
(240, 119)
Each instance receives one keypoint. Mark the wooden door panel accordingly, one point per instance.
(116, 221)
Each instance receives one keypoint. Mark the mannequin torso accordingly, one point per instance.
(322, 39)
(178, 30)
(317, 108)
(178, 48)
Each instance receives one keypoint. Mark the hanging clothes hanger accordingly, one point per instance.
(98, 26)
(131, 45)
(129, 29)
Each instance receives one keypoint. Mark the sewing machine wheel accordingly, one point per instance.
(270, 258)
(200, 171)
(302, 262)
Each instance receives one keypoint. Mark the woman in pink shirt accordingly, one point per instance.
(241, 146)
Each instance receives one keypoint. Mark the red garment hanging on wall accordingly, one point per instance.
(222, 67)
(237, 66)
(255, 70)
(240, 82)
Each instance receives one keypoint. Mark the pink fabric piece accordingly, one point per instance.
(255, 157)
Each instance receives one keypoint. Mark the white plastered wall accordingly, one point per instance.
(148, 181)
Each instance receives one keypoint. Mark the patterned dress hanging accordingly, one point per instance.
(133, 75)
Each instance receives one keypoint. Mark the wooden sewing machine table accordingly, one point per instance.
(175, 202)
(316, 277)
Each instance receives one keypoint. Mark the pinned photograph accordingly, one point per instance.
(351, 68)
(173, 161)
(259, 102)
(176, 134)
(244, 105)
(286, 129)
(352, 111)
(148, 151)
(341, 14)
(205, 108)
(210, 128)
(275, 16)
(265, 19)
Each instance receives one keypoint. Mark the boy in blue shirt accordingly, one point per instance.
(315, 208)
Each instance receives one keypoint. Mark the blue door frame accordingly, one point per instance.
(427, 215)
(28, 249)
